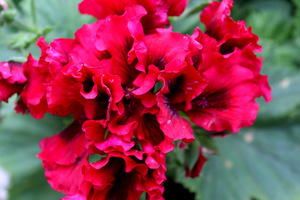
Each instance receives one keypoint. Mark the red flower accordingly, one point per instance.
(176, 95)
(228, 33)
(228, 63)
(142, 123)
(165, 54)
(124, 44)
(40, 73)
(108, 143)
(235, 39)
(228, 101)
(125, 174)
(63, 157)
(157, 10)
(12, 79)
(94, 93)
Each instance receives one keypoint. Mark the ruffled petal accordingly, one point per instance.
(227, 103)
(157, 11)
(12, 79)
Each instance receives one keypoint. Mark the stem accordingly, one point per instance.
(32, 4)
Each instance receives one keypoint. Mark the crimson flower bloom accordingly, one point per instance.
(123, 169)
(63, 157)
(234, 38)
(40, 73)
(12, 79)
(232, 71)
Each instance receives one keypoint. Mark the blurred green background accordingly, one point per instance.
(260, 163)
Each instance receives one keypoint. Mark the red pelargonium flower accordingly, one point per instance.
(214, 107)
(157, 10)
(105, 143)
(176, 95)
(124, 44)
(40, 73)
(12, 79)
(142, 123)
(135, 121)
(228, 33)
(228, 101)
(234, 39)
(94, 93)
(118, 176)
(63, 157)
(165, 54)
(139, 61)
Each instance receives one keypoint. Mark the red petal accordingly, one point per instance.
(12, 79)
(65, 178)
(66, 147)
(171, 123)
(227, 103)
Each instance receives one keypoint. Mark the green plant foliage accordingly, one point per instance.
(31, 19)
(258, 163)
(189, 20)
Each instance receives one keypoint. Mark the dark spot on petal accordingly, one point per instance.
(15, 64)
(202, 102)
(72, 131)
(160, 63)
(219, 100)
(197, 59)
(122, 180)
(175, 86)
(151, 129)
(128, 45)
(172, 109)
(88, 85)
(229, 45)
(103, 101)
(104, 55)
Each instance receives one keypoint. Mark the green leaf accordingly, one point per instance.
(7, 54)
(205, 139)
(19, 143)
(258, 164)
(36, 18)
(284, 77)
(191, 154)
(21, 39)
(297, 20)
(7, 16)
(61, 15)
(274, 25)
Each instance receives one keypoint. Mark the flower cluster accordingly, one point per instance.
(127, 80)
